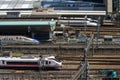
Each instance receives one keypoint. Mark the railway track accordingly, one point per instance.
(104, 30)
(96, 63)
(57, 46)
(56, 50)
(70, 66)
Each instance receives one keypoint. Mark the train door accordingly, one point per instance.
(42, 63)
(2, 62)
(45, 63)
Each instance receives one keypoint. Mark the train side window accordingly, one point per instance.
(3, 62)
(73, 5)
(16, 37)
(69, 5)
(46, 62)
(10, 38)
(16, 63)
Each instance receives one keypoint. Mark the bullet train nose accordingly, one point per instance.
(93, 24)
(37, 41)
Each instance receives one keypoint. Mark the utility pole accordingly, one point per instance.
(88, 44)
(83, 70)
(98, 29)
(40, 65)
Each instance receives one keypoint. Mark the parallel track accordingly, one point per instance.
(104, 30)
(70, 62)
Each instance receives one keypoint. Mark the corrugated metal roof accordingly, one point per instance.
(16, 4)
(27, 23)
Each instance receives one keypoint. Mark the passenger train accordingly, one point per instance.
(29, 62)
(72, 5)
(17, 40)
(79, 22)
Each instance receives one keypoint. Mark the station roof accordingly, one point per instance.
(16, 4)
(28, 23)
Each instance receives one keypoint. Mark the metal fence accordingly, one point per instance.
(34, 76)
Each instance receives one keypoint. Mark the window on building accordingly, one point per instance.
(13, 14)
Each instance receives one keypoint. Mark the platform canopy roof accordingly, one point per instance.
(27, 23)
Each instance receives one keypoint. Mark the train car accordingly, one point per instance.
(28, 62)
(72, 5)
(6, 40)
(79, 22)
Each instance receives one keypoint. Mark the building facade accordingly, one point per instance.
(111, 5)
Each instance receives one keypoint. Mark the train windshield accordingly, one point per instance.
(56, 59)
(94, 21)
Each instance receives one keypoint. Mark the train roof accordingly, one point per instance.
(11, 36)
(14, 36)
(18, 59)
(25, 58)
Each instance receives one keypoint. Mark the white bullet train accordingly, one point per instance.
(29, 62)
(79, 22)
(17, 40)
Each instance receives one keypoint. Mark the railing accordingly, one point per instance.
(35, 76)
